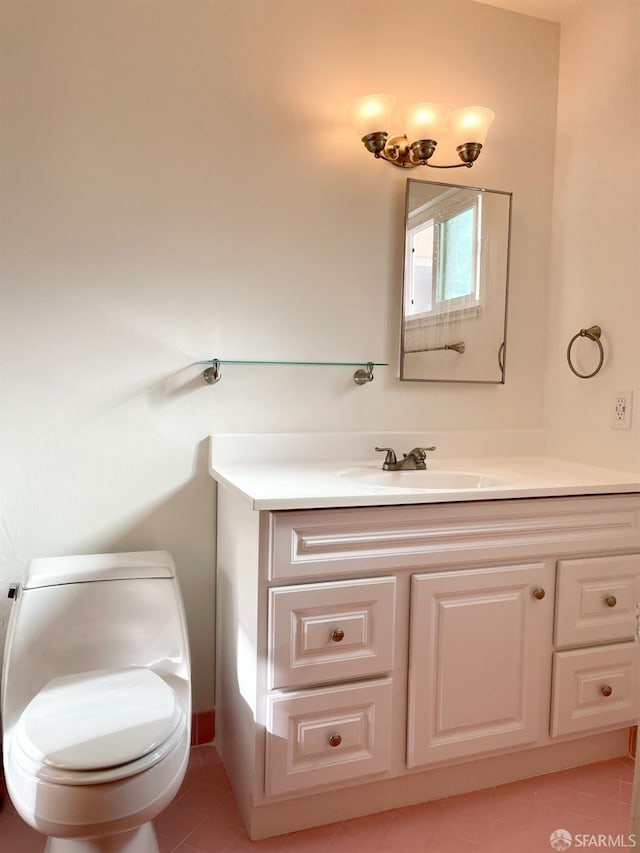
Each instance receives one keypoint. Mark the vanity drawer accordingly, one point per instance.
(321, 737)
(327, 632)
(315, 544)
(596, 600)
(594, 688)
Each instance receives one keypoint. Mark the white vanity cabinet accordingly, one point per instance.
(375, 657)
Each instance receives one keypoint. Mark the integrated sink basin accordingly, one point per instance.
(431, 479)
(299, 471)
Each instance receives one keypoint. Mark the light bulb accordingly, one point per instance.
(469, 124)
(371, 114)
(425, 121)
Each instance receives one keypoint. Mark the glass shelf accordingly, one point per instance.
(364, 374)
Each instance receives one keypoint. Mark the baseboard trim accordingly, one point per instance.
(203, 727)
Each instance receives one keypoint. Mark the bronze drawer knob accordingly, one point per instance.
(606, 690)
(611, 601)
(335, 740)
(337, 635)
(539, 593)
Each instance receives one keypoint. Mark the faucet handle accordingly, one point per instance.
(390, 458)
(419, 451)
(416, 458)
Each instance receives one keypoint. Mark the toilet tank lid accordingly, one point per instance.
(52, 571)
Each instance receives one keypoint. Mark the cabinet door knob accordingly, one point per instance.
(337, 634)
(539, 593)
(611, 601)
(335, 740)
(606, 690)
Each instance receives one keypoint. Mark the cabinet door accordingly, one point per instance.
(480, 660)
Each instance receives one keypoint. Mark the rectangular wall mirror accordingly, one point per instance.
(456, 267)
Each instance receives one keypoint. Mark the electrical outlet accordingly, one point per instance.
(621, 410)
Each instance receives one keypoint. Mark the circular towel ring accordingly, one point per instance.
(593, 333)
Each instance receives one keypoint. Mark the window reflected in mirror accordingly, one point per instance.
(455, 283)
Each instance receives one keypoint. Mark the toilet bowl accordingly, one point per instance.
(96, 700)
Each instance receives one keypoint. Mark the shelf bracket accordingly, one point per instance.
(213, 374)
(364, 374)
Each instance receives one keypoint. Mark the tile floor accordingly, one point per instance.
(515, 818)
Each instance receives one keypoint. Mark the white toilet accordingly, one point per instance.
(96, 700)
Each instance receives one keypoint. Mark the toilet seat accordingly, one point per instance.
(99, 726)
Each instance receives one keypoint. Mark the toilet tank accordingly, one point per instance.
(102, 611)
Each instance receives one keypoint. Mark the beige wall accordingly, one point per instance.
(179, 181)
(596, 234)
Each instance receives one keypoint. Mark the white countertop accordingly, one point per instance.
(257, 468)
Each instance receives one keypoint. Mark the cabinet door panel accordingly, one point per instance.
(477, 660)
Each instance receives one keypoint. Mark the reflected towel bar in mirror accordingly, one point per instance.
(459, 347)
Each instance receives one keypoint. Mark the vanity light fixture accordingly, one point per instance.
(425, 124)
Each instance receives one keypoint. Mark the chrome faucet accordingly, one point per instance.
(414, 460)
